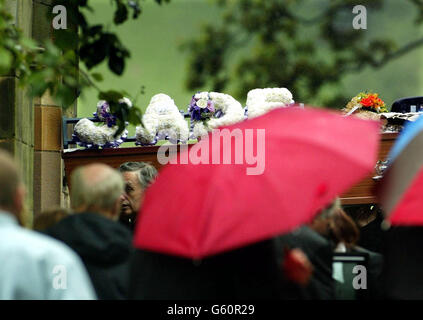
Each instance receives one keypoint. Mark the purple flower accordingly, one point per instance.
(196, 114)
(139, 143)
(193, 102)
(218, 114)
(103, 113)
(210, 106)
(199, 114)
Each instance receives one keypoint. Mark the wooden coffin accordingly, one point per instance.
(362, 193)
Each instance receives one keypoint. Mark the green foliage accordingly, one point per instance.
(304, 45)
(16, 54)
(54, 66)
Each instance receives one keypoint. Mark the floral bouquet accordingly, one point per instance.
(210, 110)
(162, 120)
(261, 101)
(363, 102)
(201, 107)
(87, 134)
(104, 114)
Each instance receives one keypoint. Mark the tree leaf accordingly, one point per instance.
(97, 76)
(5, 60)
(116, 63)
(66, 39)
(110, 96)
(121, 14)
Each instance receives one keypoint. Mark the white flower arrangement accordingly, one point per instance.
(210, 110)
(199, 130)
(261, 101)
(162, 120)
(89, 135)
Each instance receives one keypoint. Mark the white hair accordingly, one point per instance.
(99, 191)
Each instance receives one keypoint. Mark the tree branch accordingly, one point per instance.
(388, 57)
(331, 10)
(400, 52)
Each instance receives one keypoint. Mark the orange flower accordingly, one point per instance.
(367, 102)
(372, 101)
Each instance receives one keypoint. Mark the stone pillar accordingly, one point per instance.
(48, 164)
(31, 128)
(16, 111)
(47, 156)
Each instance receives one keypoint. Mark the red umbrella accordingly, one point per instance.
(306, 157)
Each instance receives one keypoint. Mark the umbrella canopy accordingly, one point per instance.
(292, 163)
(399, 192)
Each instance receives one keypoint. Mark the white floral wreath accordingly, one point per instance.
(88, 134)
(261, 101)
(162, 120)
(210, 110)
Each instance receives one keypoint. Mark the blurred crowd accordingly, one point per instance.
(87, 252)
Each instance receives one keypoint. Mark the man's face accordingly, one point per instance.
(131, 199)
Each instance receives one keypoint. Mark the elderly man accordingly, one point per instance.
(138, 176)
(93, 231)
(33, 266)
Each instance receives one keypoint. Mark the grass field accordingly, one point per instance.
(158, 64)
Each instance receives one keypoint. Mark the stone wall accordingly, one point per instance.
(16, 110)
(48, 164)
(31, 128)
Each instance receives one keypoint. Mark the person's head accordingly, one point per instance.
(332, 222)
(12, 190)
(138, 176)
(96, 188)
(49, 218)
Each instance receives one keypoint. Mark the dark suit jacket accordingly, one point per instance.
(251, 272)
(319, 250)
(371, 235)
(374, 275)
(105, 248)
(403, 268)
